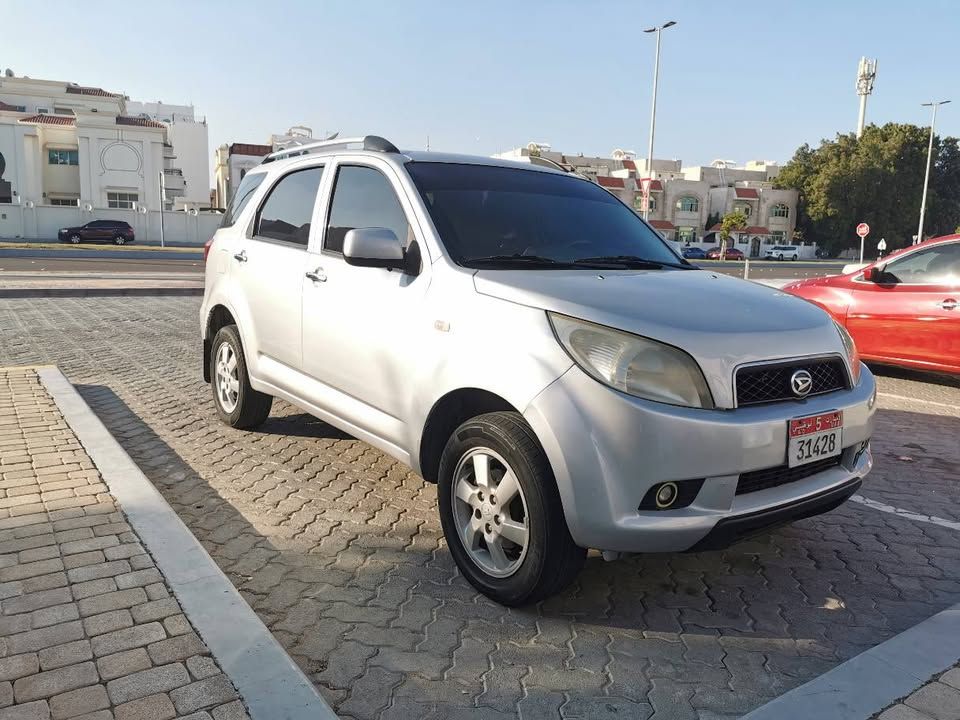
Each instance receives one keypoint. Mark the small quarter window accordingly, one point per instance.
(288, 210)
(240, 199)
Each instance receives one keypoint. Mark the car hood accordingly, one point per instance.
(721, 321)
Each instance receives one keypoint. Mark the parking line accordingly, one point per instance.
(913, 399)
(933, 520)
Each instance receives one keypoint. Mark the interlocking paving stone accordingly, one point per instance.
(60, 614)
(331, 541)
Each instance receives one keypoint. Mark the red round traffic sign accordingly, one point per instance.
(863, 229)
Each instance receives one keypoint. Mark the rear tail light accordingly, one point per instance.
(128, 231)
(206, 248)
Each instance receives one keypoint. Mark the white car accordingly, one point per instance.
(518, 336)
(783, 252)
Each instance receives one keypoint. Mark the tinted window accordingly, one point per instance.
(288, 210)
(483, 211)
(363, 198)
(99, 224)
(939, 264)
(247, 186)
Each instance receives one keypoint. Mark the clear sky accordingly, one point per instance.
(741, 80)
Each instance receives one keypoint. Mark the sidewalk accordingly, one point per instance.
(88, 626)
(937, 700)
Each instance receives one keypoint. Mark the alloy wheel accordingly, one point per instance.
(227, 378)
(490, 512)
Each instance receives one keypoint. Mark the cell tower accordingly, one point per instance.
(866, 74)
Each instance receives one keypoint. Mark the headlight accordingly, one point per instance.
(853, 357)
(632, 364)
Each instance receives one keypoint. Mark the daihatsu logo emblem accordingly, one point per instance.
(801, 382)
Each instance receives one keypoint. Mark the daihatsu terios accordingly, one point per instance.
(521, 338)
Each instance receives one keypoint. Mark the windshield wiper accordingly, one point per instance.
(517, 259)
(632, 262)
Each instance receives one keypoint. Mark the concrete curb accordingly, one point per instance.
(270, 683)
(8, 293)
(875, 679)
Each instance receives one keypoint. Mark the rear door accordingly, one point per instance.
(913, 313)
(268, 266)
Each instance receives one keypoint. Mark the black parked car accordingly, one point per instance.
(115, 231)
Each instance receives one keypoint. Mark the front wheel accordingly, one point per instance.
(237, 403)
(501, 512)
(780, 257)
(794, 258)
(75, 239)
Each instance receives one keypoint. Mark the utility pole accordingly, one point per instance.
(866, 74)
(653, 109)
(161, 209)
(926, 176)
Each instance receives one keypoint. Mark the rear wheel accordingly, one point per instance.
(119, 240)
(237, 403)
(501, 512)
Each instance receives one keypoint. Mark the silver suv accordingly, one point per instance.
(521, 338)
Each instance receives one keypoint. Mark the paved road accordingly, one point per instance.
(70, 259)
(338, 549)
(121, 261)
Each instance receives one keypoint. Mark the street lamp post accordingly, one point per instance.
(653, 109)
(926, 176)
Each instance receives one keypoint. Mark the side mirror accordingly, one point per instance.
(373, 247)
(874, 274)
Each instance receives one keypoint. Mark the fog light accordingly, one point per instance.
(666, 495)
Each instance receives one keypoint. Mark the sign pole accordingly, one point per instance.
(161, 211)
(862, 230)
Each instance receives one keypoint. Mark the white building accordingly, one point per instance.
(687, 203)
(70, 154)
(232, 163)
(188, 138)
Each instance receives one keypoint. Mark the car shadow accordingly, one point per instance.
(336, 548)
(892, 371)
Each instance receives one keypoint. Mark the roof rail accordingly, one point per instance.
(373, 143)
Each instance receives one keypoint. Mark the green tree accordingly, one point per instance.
(736, 220)
(877, 179)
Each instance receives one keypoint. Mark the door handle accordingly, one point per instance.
(949, 304)
(240, 256)
(317, 275)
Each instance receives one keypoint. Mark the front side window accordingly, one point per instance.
(63, 157)
(688, 204)
(363, 198)
(489, 216)
(240, 198)
(780, 210)
(121, 200)
(287, 212)
(934, 266)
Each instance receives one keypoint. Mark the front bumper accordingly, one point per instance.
(607, 449)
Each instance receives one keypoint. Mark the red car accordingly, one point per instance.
(731, 254)
(902, 309)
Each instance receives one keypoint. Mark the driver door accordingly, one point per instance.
(911, 314)
(361, 324)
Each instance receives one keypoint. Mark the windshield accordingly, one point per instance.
(491, 216)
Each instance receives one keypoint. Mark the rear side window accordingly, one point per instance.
(248, 185)
(288, 210)
(363, 198)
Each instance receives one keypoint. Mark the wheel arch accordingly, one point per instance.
(448, 413)
(218, 317)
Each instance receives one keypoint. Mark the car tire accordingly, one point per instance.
(75, 239)
(515, 574)
(237, 403)
(119, 240)
(780, 257)
(794, 258)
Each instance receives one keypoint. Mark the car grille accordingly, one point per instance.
(771, 383)
(782, 474)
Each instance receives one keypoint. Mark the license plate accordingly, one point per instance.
(814, 437)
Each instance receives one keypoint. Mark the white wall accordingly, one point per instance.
(42, 223)
(190, 145)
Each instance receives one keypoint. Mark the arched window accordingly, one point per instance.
(743, 208)
(780, 210)
(688, 204)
